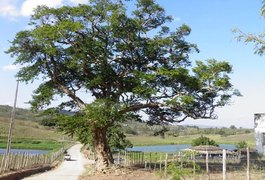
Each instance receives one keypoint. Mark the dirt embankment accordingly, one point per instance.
(27, 172)
(119, 173)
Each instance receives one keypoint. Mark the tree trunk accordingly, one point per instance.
(103, 151)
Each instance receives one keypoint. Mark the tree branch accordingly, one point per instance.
(137, 107)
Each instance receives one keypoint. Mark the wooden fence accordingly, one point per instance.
(198, 164)
(26, 161)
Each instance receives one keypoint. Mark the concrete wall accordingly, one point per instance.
(259, 125)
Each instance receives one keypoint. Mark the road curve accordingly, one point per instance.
(68, 170)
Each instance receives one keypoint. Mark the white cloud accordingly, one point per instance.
(10, 67)
(12, 9)
(8, 8)
(28, 6)
(79, 1)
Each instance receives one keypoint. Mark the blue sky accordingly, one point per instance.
(211, 22)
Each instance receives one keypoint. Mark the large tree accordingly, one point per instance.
(115, 64)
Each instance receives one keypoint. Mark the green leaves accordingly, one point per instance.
(203, 141)
(241, 145)
(102, 113)
(43, 95)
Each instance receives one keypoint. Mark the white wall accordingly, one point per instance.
(259, 125)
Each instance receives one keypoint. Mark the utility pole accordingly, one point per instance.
(8, 146)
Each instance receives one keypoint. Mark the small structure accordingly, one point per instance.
(259, 126)
(212, 151)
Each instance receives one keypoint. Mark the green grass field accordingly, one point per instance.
(30, 135)
(32, 144)
(28, 129)
(156, 140)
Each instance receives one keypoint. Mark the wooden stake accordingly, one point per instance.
(224, 164)
(248, 176)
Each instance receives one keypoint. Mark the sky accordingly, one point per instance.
(211, 22)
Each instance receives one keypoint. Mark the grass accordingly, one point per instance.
(28, 129)
(156, 140)
(29, 135)
(32, 144)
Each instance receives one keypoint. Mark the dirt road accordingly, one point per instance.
(68, 170)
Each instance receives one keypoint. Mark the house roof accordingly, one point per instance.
(203, 149)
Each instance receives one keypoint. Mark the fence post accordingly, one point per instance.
(160, 162)
(139, 157)
(194, 163)
(224, 164)
(165, 173)
(133, 157)
(125, 158)
(155, 160)
(248, 177)
(2, 169)
(142, 157)
(150, 160)
(119, 157)
(207, 162)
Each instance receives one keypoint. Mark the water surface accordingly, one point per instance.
(173, 148)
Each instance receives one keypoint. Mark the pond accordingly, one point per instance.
(30, 151)
(173, 148)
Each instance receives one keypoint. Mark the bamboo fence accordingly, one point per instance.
(21, 161)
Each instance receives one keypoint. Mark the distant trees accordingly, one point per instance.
(232, 127)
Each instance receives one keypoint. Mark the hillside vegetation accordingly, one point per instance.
(27, 131)
(141, 134)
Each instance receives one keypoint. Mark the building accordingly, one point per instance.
(212, 151)
(259, 126)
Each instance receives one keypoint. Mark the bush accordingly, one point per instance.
(241, 145)
(203, 141)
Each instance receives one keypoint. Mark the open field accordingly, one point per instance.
(32, 144)
(29, 135)
(28, 129)
(156, 140)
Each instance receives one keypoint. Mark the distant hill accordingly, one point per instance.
(22, 114)
(27, 125)
(132, 127)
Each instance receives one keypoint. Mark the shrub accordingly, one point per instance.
(203, 140)
(242, 144)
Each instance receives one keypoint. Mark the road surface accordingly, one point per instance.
(68, 170)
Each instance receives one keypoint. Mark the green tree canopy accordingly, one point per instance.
(128, 62)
